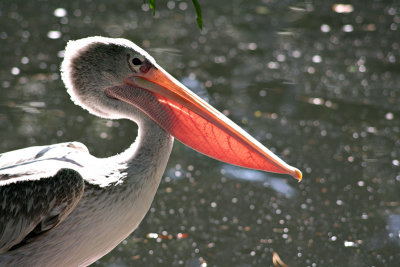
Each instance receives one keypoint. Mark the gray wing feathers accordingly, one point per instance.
(34, 163)
(30, 208)
(29, 154)
(38, 189)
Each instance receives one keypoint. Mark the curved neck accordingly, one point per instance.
(147, 157)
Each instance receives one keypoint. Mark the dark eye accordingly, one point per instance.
(136, 61)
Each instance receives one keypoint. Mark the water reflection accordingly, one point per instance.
(267, 180)
(393, 223)
(196, 86)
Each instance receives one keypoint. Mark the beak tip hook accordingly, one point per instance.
(298, 175)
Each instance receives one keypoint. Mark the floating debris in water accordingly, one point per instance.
(343, 8)
(349, 244)
(276, 260)
(352, 243)
(166, 237)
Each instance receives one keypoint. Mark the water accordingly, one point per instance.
(319, 87)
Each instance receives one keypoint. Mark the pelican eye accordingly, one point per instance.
(136, 61)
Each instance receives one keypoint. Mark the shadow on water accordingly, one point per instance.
(316, 82)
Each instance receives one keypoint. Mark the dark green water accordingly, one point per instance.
(318, 87)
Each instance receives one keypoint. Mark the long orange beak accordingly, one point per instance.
(198, 125)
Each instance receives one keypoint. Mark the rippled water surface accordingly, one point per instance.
(317, 83)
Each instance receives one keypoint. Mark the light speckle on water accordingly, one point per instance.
(348, 28)
(325, 28)
(60, 12)
(349, 244)
(15, 71)
(389, 116)
(24, 60)
(317, 59)
(54, 34)
(343, 8)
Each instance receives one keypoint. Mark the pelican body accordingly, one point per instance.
(61, 206)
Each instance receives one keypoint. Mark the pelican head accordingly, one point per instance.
(93, 64)
(114, 78)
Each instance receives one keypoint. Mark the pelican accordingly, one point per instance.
(61, 206)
